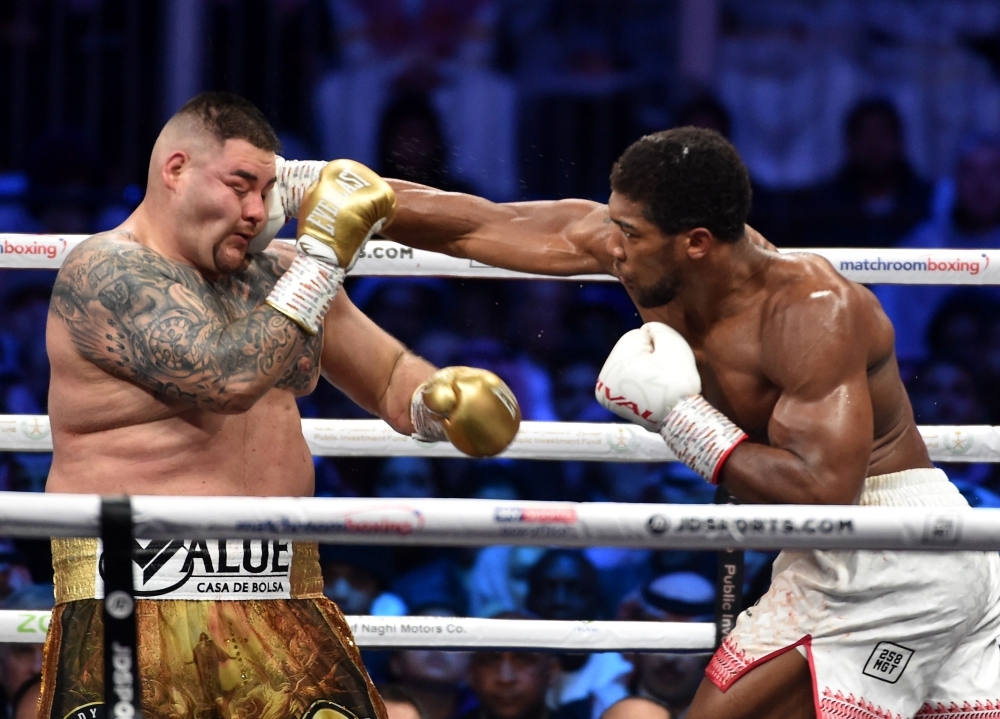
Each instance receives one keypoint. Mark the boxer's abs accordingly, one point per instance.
(259, 452)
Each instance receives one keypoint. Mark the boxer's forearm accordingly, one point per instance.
(760, 474)
(394, 405)
(558, 238)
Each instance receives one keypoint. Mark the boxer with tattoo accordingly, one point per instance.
(178, 344)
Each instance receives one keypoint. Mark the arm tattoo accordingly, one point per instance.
(162, 325)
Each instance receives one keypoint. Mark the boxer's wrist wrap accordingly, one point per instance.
(427, 424)
(306, 291)
(294, 178)
(701, 436)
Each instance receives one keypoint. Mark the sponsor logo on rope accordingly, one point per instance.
(928, 263)
(658, 524)
(887, 662)
(213, 569)
(535, 521)
(942, 529)
(621, 438)
(379, 252)
(35, 428)
(393, 519)
(710, 525)
(957, 442)
(38, 247)
(535, 515)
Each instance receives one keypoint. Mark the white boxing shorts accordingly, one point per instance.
(888, 634)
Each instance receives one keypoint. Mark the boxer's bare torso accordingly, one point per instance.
(132, 413)
(799, 357)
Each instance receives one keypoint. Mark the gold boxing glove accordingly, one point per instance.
(337, 216)
(472, 408)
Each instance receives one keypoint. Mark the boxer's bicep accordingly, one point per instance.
(823, 416)
(564, 237)
(369, 365)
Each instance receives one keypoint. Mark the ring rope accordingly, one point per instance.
(480, 522)
(383, 258)
(572, 441)
(30, 627)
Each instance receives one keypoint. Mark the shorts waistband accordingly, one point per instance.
(75, 563)
(925, 487)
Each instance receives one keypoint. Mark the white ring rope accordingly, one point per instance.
(388, 259)
(30, 627)
(481, 522)
(574, 441)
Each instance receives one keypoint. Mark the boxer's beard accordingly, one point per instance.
(227, 265)
(659, 294)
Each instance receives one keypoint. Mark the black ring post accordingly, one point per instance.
(728, 581)
(122, 695)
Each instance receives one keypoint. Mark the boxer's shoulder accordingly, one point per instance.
(809, 284)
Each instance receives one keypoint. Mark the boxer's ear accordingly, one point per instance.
(699, 242)
(173, 167)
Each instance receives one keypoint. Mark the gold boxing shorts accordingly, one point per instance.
(290, 657)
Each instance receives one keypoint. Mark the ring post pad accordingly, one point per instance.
(122, 693)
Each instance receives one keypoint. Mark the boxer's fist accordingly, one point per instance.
(472, 408)
(648, 372)
(338, 214)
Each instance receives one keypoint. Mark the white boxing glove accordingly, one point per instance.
(651, 378)
(648, 372)
(294, 177)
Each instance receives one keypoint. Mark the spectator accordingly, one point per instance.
(436, 679)
(705, 111)
(564, 585)
(636, 708)
(24, 704)
(440, 47)
(513, 684)
(65, 184)
(573, 393)
(399, 703)
(15, 574)
(406, 477)
(411, 145)
(356, 578)
(944, 392)
(498, 580)
(970, 221)
(669, 679)
(876, 198)
(21, 663)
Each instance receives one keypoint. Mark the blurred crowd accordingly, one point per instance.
(451, 94)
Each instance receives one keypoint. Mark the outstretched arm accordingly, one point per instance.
(153, 322)
(564, 237)
(369, 365)
(821, 429)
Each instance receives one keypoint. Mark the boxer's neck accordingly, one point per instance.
(723, 283)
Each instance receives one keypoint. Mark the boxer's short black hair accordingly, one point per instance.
(229, 116)
(685, 178)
